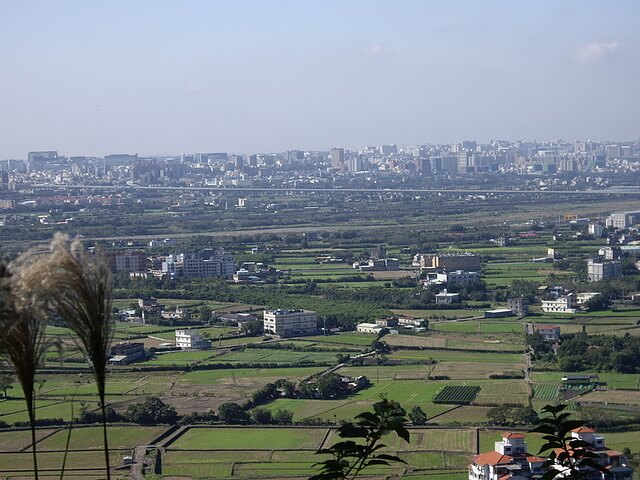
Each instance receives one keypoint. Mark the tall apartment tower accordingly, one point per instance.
(337, 158)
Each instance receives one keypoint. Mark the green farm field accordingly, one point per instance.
(250, 438)
(613, 380)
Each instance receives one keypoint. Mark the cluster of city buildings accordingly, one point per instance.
(223, 169)
(205, 263)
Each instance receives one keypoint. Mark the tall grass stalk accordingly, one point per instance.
(82, 284)
(23, 342)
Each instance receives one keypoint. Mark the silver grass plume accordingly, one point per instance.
(81, 287)
(24, 312)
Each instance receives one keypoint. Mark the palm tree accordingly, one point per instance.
(23, 319)
(81, 295)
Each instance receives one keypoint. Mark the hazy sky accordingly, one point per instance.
(94, 77)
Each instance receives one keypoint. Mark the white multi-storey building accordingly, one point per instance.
(288, 323)
(622, 220)
(455, 277)
(205, 264)
(564, 304)
(598, 271)
(189, 339)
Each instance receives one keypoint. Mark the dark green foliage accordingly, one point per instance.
(261, 416)
(152, 411)
(264, 395)
(233, 414)
(417, 416)
(282, 417)
(524, 288)
(600, 352)
(597, 303)
(287, 387)
(252, 328)
(512, 416)
(570, 458)
(196, 417)
(362, 437)
(329, 386)
(87, 416)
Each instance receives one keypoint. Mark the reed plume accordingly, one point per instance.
(24, 319)
(81, 295)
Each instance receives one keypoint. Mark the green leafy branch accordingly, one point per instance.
(570, 458)
(350, 457)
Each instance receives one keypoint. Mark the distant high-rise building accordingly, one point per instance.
(39, 160)
(388, 149)
(337, 158)
(465, 162)
(294, 156)
(356, 164)
(612, 151)
(423, 165)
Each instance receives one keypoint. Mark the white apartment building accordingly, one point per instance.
(564, 304)
(189, 339)
(621, 220)
(288, 323)
(597, 271)
(205, 264)
(455, 277)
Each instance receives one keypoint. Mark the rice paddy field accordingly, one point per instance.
(271, 452)
(461, 352)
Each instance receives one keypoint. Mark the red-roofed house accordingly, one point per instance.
(510, 460)
(551, 333)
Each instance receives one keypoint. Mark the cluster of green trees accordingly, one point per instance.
(234, 414)
(599, 352)
(512, 416)
(151, 411)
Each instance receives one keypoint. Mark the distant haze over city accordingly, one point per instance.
(252, 76)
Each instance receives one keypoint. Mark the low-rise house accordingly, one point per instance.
(124, 353)
(444, 297)
(550, 333)
(411, 322)
(498, 313)
(369, 328)
(584, 297)
(237, 318)
(387, 322)
(378, 265)
(179, 314)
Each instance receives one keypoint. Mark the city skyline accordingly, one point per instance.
(157, 78)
